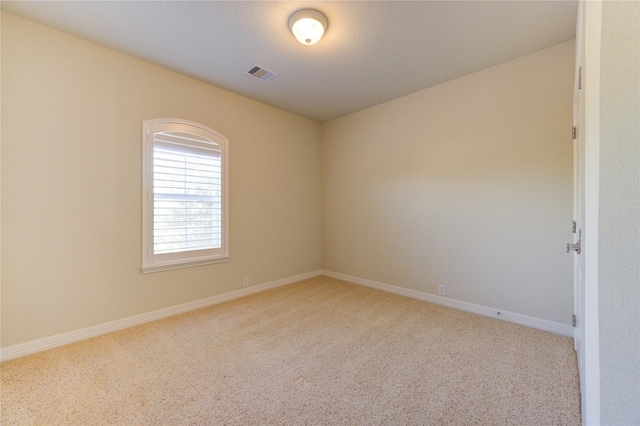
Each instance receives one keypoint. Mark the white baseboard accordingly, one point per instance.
(39, 345)
(541, 324)
(51, 342)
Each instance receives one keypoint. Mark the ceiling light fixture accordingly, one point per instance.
(308, 26)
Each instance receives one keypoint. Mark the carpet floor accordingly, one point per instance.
(317, 352)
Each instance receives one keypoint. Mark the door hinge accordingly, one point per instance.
(573, 226)
(579, 78)
(574, 132)
(574, 320)
(576, 246)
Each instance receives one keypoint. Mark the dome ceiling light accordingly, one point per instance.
(308, 26)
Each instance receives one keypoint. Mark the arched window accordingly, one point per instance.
(184, 195)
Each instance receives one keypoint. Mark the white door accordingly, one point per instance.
(578, 190)
(586, 114)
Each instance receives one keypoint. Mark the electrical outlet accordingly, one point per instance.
(245, 282)
(441, 290)
(434, 288)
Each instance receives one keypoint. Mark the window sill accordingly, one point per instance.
(167, 266)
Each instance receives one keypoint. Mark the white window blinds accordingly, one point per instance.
(186, 194)
(184, 201)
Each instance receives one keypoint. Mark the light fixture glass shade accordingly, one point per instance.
(308, 26)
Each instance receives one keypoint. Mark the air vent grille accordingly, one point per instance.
(261, 73)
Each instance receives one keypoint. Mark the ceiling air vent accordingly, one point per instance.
(261, 73)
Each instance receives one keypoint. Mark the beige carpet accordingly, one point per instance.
(321, 351)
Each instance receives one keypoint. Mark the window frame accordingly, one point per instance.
(161, 262)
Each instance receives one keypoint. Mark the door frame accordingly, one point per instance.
(588, 40)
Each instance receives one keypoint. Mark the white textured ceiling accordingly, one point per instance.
(373, 51)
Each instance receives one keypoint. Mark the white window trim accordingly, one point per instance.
(156, 263)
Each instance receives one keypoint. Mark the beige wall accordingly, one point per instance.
(71, 177)
(619, 228)
(467, 184)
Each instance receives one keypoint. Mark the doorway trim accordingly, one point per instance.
(590, 341)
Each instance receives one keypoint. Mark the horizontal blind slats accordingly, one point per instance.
(187, 184)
